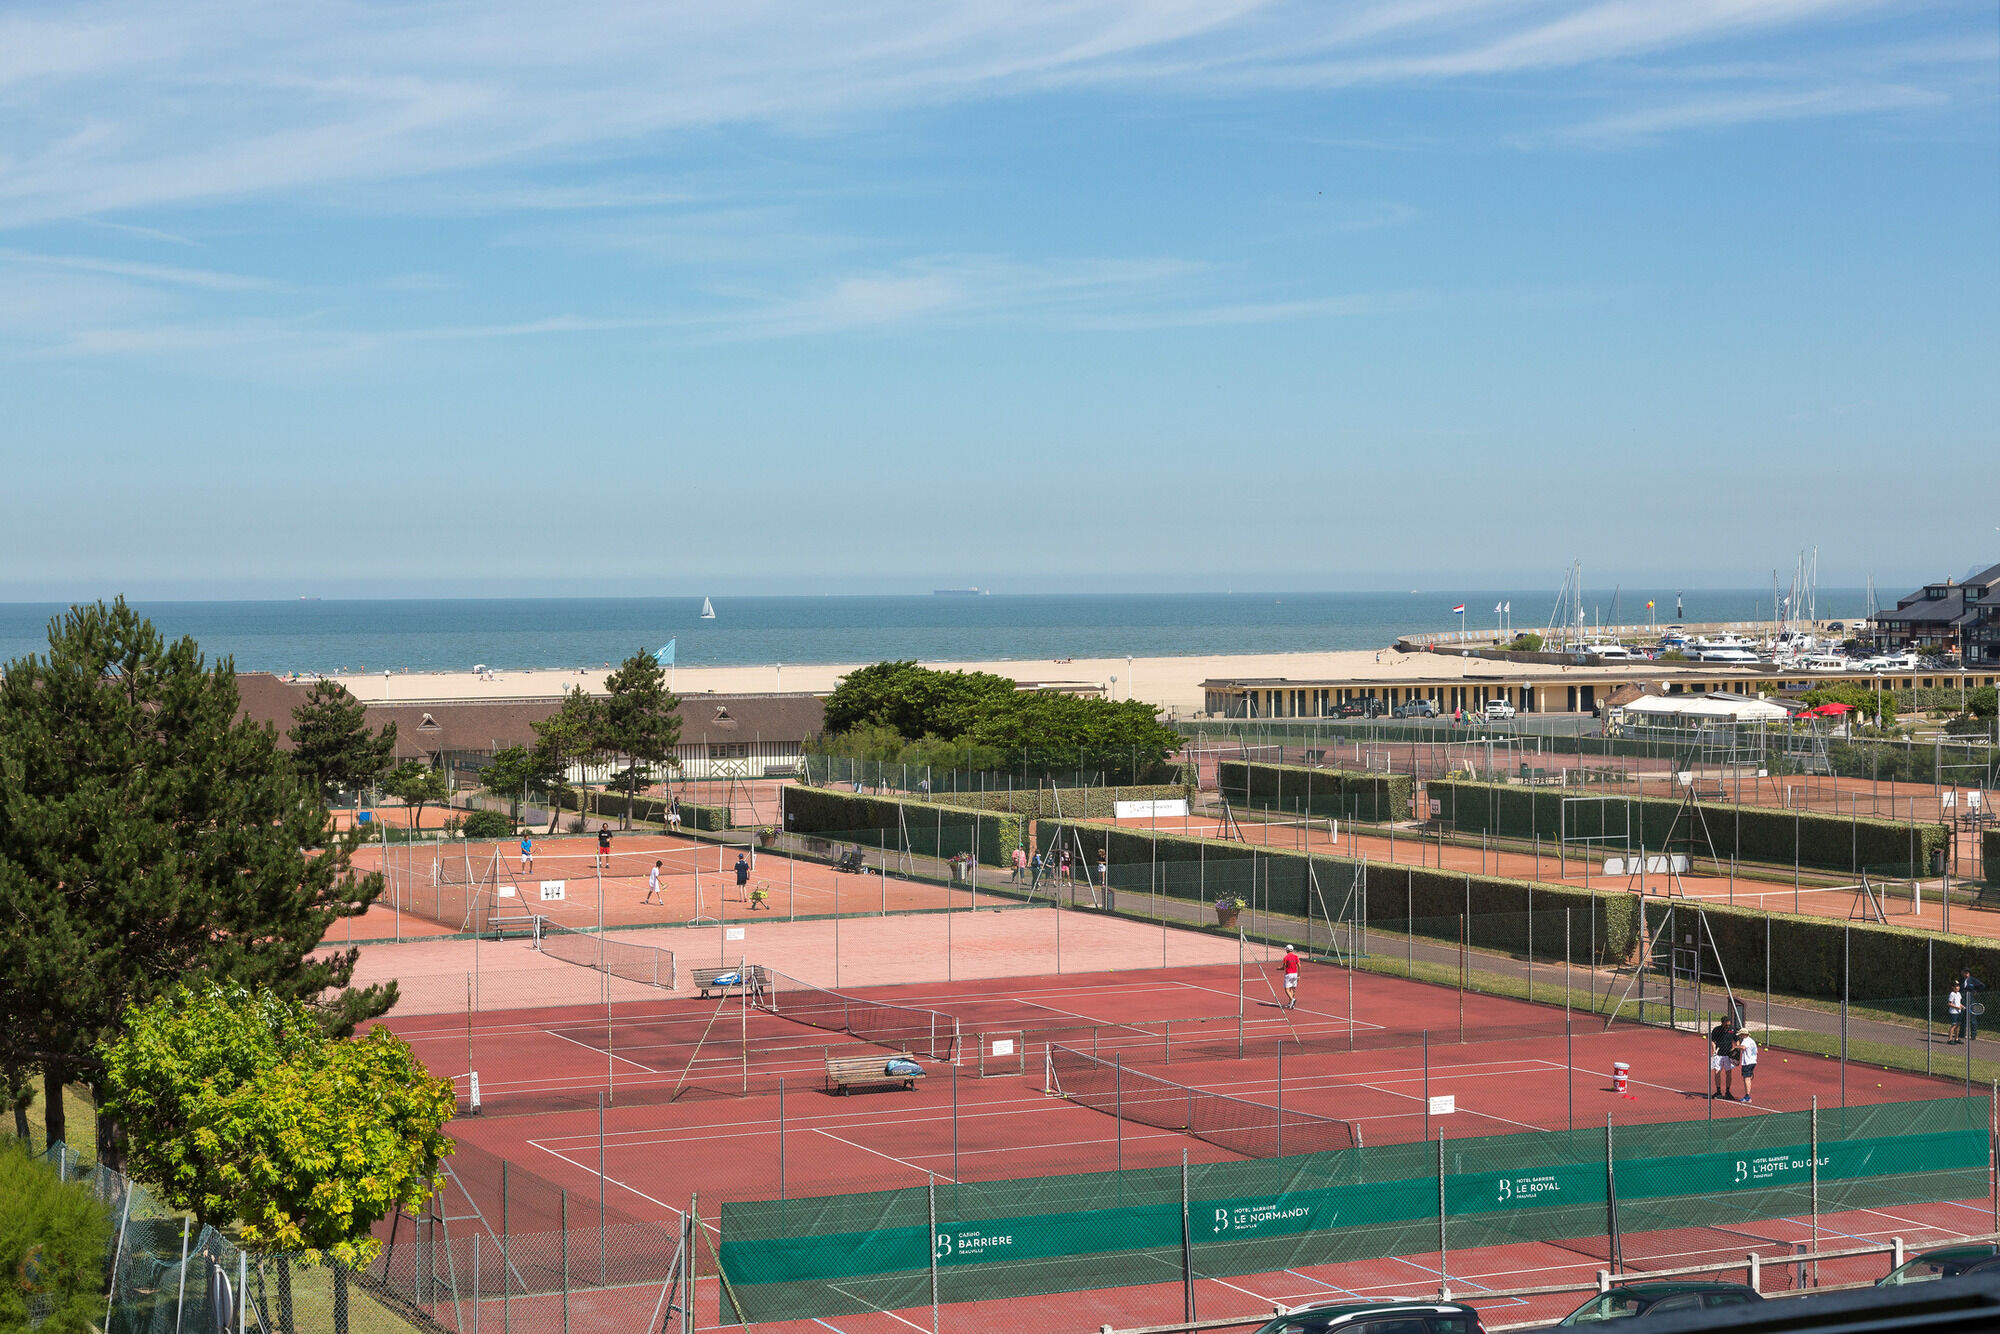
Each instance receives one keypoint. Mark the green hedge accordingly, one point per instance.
(1989, 854)
(652, 809)
(1306, 791)
(1423, 901)
(1893, 968)
(1076, 803)
(1750, 833)
(935, 830)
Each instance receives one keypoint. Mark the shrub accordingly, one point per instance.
(54, 1239)
(487, 824)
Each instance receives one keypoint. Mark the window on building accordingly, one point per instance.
(729, 750)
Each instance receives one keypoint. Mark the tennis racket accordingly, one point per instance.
(1976, 1007)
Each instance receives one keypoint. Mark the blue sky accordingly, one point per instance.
(1092, 295)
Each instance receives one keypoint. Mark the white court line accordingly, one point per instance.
(607, 1179)
(873, 1307)
(601, 1052)
(900, 1162)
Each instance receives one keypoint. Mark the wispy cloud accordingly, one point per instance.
(1715, 110)
(104, 108)
(167, 274)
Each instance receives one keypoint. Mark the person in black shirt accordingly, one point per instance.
(604, 847)
(1722, 1060)
(1967, 985)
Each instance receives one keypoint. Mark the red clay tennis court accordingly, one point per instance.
(727, 1101)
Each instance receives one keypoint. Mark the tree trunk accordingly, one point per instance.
(52, 1103)
(110, 1136)
(285, 1295)
(18, 1093)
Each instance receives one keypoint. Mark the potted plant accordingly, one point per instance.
(1226, 910)
(767, 835)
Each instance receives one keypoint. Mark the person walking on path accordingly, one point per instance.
(604, 847)
(742, 875)
(1290, 965)
(1103, 871)
(1746, 1060)
(1968, 985)
(527, 854)
(1020, 866)
(1721, 1067)
(674, 815)
(1065, 874)
(1954, 1008)
(653, 885)
(1035, 873)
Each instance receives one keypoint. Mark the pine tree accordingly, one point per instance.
(331, 743)
(639, 721)
(149, 836)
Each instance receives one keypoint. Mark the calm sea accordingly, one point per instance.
(456, 634)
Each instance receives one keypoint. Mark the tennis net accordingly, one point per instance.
(900, 1027)
(634, 963)
(1248, 1128)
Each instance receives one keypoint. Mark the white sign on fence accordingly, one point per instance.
(1150, 810)
(1437, 807)
(1002, 1047)
(732, 933)
(506, 891)
(475, 1093)
(552, 890)
(1444, 1104)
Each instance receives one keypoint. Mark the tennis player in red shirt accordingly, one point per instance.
(1291, 967)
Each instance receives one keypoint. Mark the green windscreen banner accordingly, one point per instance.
(845, 1254)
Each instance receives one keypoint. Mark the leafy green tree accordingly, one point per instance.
(563, 740)
(1983, 702)
(244, 1113)
(638, 721)
(331, 743)
(511, 774)
(418, 785)
(1528, 641)
(54, 1237)
(1876, 704)
(149, 835)
(916, 701)
(487, 824)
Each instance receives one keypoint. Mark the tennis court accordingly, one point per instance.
(678, 1128)
(452, 887)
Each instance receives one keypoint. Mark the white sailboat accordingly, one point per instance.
(707, 610)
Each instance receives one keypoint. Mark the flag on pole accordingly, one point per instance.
(1496, 609)
(665, 657)
(1459, 610)
(1509, 608)
(1649, 604)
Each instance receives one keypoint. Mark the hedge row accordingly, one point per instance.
(1075, 803)
(1422, 901)
(1748, 833)
(693, 814)
(1306, 791)
(934, 829)
(1890, 964)
(1989, 854)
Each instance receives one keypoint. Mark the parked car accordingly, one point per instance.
(1632, 1301)
(1499, 708)
(1944, 1262)
(1365, 707)
(1417, 708)
(1377, 1318)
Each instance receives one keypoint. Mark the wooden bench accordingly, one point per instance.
(843, 1072)
(528, 924)
(755, 974)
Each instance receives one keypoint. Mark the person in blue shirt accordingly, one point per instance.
(527, 854)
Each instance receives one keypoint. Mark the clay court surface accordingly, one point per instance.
(673, 1069)
(697, 879)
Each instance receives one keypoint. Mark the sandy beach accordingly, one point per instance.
(1171, 683)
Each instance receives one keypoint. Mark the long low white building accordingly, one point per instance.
(1688, 710)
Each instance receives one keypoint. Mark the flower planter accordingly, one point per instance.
(1226, 914)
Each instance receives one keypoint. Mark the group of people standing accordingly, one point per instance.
(1733, 1050)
